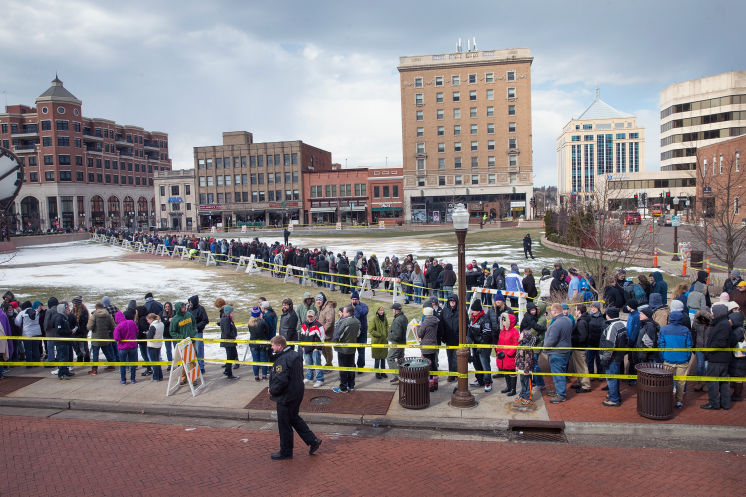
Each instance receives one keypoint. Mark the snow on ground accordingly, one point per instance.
(64, 252)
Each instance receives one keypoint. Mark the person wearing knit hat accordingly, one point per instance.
(361, 314)
(228, 332)
(476, 306)
(355, 295)
(259, 330)
(256, 312)
(479, 331)
(724, 297)
(36, 304)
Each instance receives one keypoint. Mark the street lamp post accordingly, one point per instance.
(462, 397)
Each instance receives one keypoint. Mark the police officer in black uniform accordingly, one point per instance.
(286, 388)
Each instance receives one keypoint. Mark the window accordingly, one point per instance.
(49, 160)
(721, 164)
(490, 95)
(294, 158)
(49, 175)
(420, 116)
(46, 141)
(360, 189)
(704, 168)
(420, 181)
(473, 129)
(262, 196)
(489, 77)
(439, 97)
(458, 180)
(419, 99)
(474, 146)
(456, 96)
(511, 110)
(441, 147)
(473, 95)
(472, 112)
(457, 146)
(738, 162)
(345, 190)
(587, 126)
(243, 161)
(457, 113)
(512, 160)
(441, 131)
(418, 82)
(187, 189)
(420, 132)
(200, 163)
(456, 129)
(491, 161)
(270, 161)
(441, 180)
(439, 114)
(260, 178)
(330, 191)
(62, 125)
(474, 179)
(736, 206)
(438, 80)
(511, 75)
(210, 181)
(455, 80)
(491, 179)
(511, 127)
(441, 163)
(420, 147)
(208, 163)
(237, 197)
(227, 180)
(63, 160)
(420, 164)
(63, 141)
(619, 136)
(457, 162)
(31, 160)
(316, 191)
(66, 176)
(512, 143)
(79, 143)
(377, 192)
(226, 162)
(472, 79)
(210, 198)
(79, 176)
(511, 92)
(491, 128)
(474, 162)
(254, 197)
(201, 182)
(46, 125)
(259, 161)
(490, 144)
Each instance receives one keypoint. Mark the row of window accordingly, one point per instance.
(703, 104)
(63, 125)
(346, 190)
(718, 166)
(243, 197)
(473, 113)
(472, 79)
(619, 136)
(254, 161)
(175, 190)
(33, 177)
(419, 98)
(703, 135)
(619, 125)
(64, 160)
(243, 179)
(473, 129)
(473, 146)
(458, 163)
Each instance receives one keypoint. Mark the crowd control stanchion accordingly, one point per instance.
(397, 295)
(655, 257)
(185, 363)
(211, 259)
(127, 245)
(243, 260)
(365, 290)
(179, 251)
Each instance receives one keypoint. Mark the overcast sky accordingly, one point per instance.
(325, 72)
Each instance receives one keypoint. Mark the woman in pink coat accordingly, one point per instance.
(506, 356)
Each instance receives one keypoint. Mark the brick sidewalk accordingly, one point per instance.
(588, 407)
(82, 457)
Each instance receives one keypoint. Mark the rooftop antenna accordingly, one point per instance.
(458, 47)
(468, 45)
(474, 42)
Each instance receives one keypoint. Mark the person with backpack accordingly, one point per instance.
(545, 285)
(513, 284)
(675, 336)
(718, 337)
(28, 321)
(633, 329)
(596, 325)
(614, 336)
(580, 335)
(659, 286)
(647, 338)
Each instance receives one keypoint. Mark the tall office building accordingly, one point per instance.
(602, 141)
(80, 171)
(700, 112)
(466, 133)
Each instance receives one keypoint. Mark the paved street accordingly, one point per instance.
(47, 456)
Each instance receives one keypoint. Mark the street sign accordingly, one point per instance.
(675, 221)
(707, 189)
(676, 200)
(687, 203)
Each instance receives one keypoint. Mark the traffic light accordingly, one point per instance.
(668, 196)
(636, 201)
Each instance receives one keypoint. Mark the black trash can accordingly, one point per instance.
(696, 259)
(654, 390)
(414, 382)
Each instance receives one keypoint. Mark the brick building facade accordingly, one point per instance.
(79, 171)
(721, 180)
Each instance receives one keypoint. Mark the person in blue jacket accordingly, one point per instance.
(674, 335)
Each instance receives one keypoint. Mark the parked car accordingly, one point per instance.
(665, 220)
(631, 217)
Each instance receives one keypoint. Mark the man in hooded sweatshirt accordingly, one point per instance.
(200, 318)
(675, 336)
(289, 322)
(64, 348)
(704, 289)
(49, 329)
(659, 286)
(732, 282)
(718, 337)
(513, 283)
(326, 317)
(450, 332)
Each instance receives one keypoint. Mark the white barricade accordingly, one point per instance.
(141, 247)
(126, 244)
(211, 259)
(161, 250)
(185, 362)
(178, 250)
(398, 293)
(289, 275)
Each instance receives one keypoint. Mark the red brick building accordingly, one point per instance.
(721, 179)
(80, 171)
(353, 195)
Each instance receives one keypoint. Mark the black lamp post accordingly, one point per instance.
(462, 397)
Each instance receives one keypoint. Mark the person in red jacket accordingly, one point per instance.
(506, 356)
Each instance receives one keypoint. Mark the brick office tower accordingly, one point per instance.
(81, 172)
(242, 182)
(466, 133)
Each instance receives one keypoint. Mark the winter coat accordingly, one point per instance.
(449, 323)
(28, 321)
(737, 366)
(660, 316)
(227, 332)
(545, 287)
(398, 330)
(326, 317)
(260, 331)
(524, 358)
(596, 326)
(198, 313)
(718, 336)
(614, 336)
(302, 311)
(529, 286)
(361, 314)
(540, 328)
(675, 336)
(493, 314)
(700, 324)
(155, 333)
(142, 323)
(427, 332)
(508, 336)
(559, 334)
(379, 331)
(125, 330)
(102, 327)
(346, 330)
(660, 287)
(513, 282)
(289, 325)
(581, 331)
(614, 296)
(647, 339)
(182, 325)
(153, 306)
(311, 332)
(286, 377)
(479, 330)
(270, 317)
(448, 276)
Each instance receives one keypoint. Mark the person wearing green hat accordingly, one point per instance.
(228, 332)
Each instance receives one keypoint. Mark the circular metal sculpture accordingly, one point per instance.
(11, 179)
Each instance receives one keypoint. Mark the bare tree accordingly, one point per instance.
(723, 188)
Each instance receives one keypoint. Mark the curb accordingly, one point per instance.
(654, 430)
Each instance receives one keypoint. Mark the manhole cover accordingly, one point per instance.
(532, 434)
(320, 400)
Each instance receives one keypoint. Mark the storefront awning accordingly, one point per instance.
(323, 209)
(381, 209)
